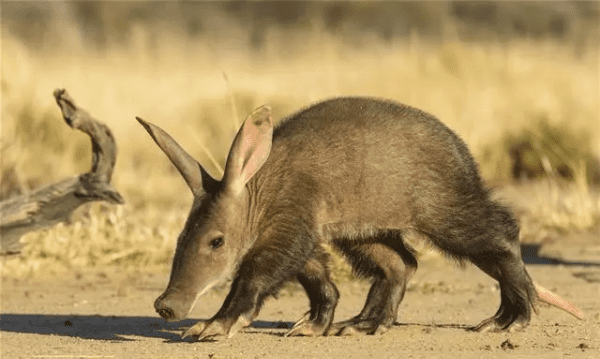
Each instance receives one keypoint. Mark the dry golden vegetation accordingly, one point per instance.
(200, 87)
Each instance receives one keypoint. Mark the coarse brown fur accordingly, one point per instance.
(357, 173)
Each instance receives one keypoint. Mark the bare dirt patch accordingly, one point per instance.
(108, 313)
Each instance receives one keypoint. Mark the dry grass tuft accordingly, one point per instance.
(551, 208)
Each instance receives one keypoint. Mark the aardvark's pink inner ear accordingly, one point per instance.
(250, 149)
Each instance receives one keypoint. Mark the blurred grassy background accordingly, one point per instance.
(498, 73)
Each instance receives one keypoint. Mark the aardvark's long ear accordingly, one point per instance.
(250, 149)
(194, 175)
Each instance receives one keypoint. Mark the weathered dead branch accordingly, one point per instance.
(55, 203)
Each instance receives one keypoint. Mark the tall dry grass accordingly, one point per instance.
(195, 89)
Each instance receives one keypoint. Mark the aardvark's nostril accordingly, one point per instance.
(166, 313)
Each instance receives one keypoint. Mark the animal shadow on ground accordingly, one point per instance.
(123, 329)
(530, 254)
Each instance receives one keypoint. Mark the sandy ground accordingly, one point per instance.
(108, 313)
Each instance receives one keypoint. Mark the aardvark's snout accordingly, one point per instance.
(171, 308)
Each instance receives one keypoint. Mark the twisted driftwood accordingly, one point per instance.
(55, 203)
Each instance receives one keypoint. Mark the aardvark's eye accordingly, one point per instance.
(217, 242)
